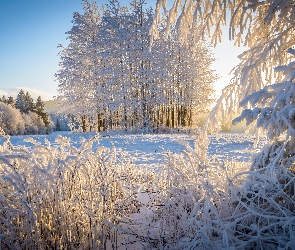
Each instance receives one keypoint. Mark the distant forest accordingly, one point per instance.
(23, 115)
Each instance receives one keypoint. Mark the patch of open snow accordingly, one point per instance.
(151, 148)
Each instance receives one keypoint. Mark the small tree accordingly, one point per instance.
(20, 101)
(29, 103)
(10, 100)
(11, 120)
(39, 110)
(3, 99)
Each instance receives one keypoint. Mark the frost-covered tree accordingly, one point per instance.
(11, 120)
(263, 204)
(265, 27)
(77, 78)
(24, 102)
(187, 77)
(111, 67)
(28, 103)
(3, 99)
(126, 42)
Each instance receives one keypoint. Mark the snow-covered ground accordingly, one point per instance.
(176, 206)
(151, 148)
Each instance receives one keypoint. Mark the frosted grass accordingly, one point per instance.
(86, 194)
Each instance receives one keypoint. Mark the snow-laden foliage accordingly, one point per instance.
(60, 196)
(274, 105)
(264, 202)
(57, 197)
(13, 122)
(274, 112)
(111, 77)
(209, 204)
(24, 116)
(265, 27)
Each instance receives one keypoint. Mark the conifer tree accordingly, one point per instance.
(29, 103)
(20, 101)
(3, 99)
(10, 101)
(39, 110)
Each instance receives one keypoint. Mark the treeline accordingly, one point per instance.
(113, 77)
(23, 115)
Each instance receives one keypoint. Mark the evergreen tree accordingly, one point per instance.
(20, 101)
(10, 101)
(29, 103)
(3, 99)
(39, 110)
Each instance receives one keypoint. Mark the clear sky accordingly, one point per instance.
(30, 32)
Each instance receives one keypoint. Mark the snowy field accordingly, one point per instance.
(182, 205)
(152, 148)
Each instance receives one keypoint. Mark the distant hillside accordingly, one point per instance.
(51, 106)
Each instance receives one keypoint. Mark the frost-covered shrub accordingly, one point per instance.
(30, 127)
(94, 198)
(192, 205)
(274, 111)
(216, 205)
(11, 120)
(38, 122)
(202, 203)
(61, 197)
(50, 127)
(35, 125)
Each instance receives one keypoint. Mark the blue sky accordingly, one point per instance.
(29, 34)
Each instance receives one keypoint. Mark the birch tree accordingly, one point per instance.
(110, 71)
(76, 81)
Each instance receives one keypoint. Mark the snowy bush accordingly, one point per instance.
(216, 205)
(38, 122)
(249, 209)
(54, 197)
(30, 127)
(59, 196)
(11, 120)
